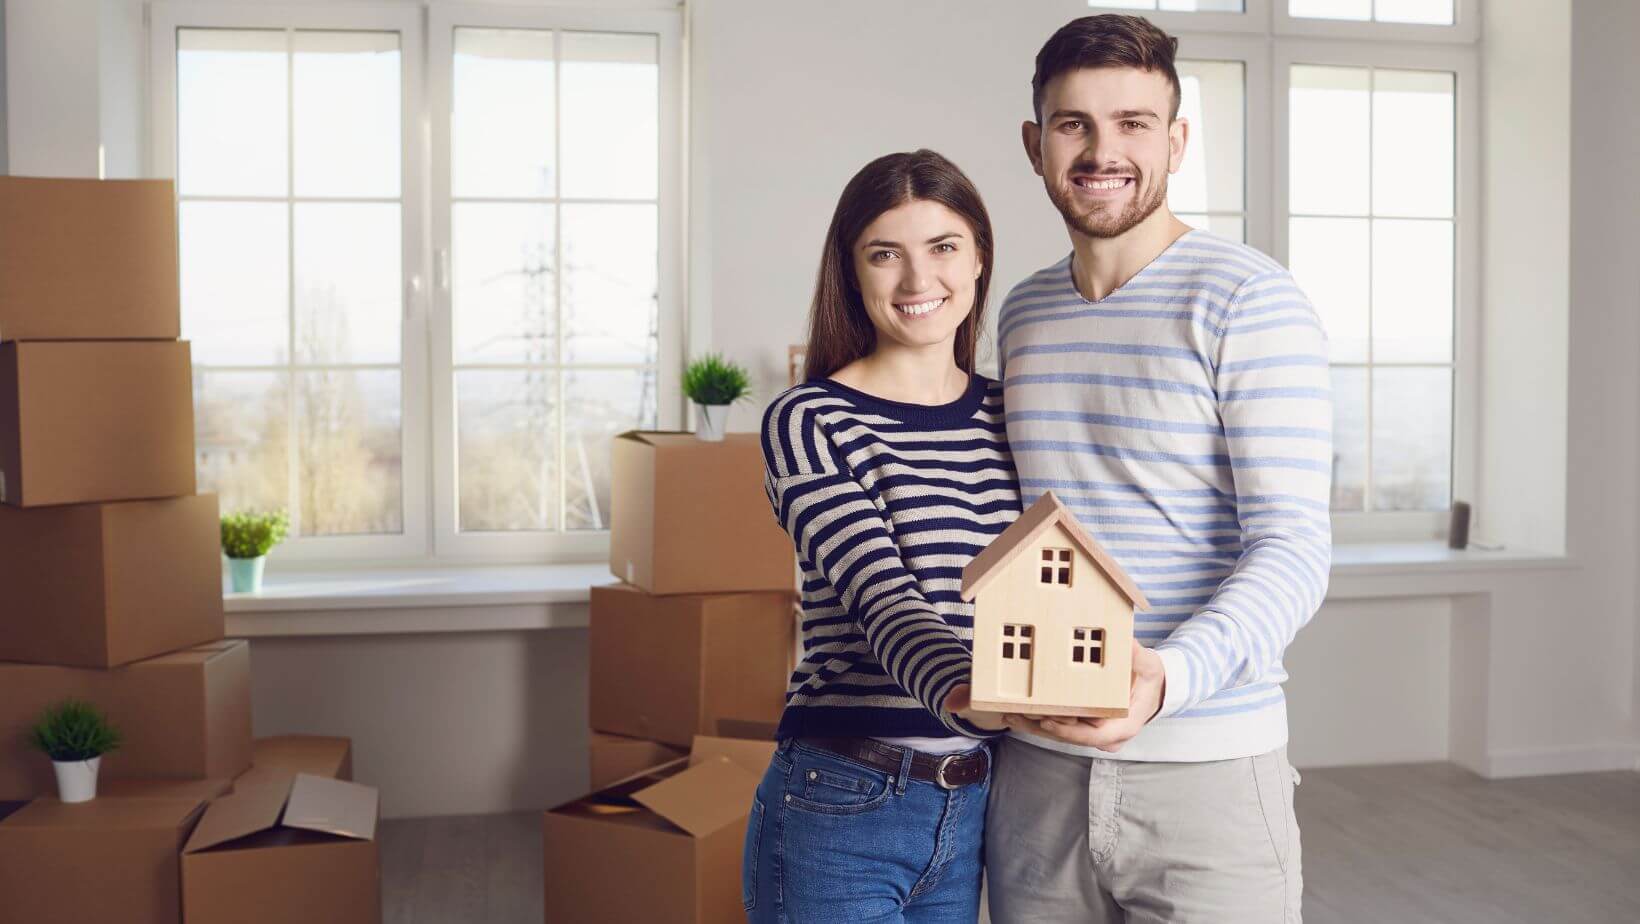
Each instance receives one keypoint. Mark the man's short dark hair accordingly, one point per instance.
(1108, 40)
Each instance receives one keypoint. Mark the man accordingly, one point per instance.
(1172, 388)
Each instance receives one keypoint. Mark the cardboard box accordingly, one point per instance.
(303, 851)
(278, 759)
(88, 260)
(683, 826)
(615, 757)
(100, 585)
(110, 859)
(183, 716)
(669, 668)
(82, 422)
(689, 516)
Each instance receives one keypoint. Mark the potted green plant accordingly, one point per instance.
(713, 384)
(75, 736)
(247, 538)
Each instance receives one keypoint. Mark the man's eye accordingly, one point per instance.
(1133, 125)
(1072, 125)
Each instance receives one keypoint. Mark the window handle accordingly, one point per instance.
(441, 266)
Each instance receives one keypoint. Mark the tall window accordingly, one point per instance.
(290, 202)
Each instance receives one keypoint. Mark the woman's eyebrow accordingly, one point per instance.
(877, 242)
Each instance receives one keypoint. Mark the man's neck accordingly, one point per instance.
(1101, 265)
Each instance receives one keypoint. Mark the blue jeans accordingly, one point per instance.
(832, 840)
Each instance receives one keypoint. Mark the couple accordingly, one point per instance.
(1172, 389)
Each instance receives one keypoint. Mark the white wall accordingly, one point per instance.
(4, 151)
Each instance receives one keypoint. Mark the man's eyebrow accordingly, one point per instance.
(1134, 114)
(878, 242)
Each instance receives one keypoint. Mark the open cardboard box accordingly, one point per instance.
(690, 516)
(114, 858)
(278, 758)
(88, 421)
(612, 758)
(88, 259)
(183, 716)
(682, 824)
(101, 585)
(667, 668)
(301, 850)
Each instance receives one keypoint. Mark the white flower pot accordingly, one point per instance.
(76, 779)
(710, 421)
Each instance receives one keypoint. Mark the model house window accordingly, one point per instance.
(430, 265)
(1016, 642)
(1056, 566)
(1087, 646)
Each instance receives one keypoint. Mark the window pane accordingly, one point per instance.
(232, 112)
(507, 447)
(348, 302)
(346, 139)
(600, 403)
(1412, 143)
(349, 452)
(1331, 9)
(1412, 291)
(1201, 6)
(611, 112)
(1411, 439)
(611, 279)
(504, 295)
(1229, 227)
(501, 120)
(1211, 177)
(241, 439)
(1329, 144)
(1329, 260)
(235, 282)
(1349, 480)
(1123, 4)
(1432, 12)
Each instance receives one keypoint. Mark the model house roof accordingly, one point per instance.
(1041, 517)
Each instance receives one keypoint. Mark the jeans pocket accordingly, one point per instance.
(748, 859)
(831, 786)
(1274, 788)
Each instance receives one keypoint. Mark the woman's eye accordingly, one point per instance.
(945, 247)
(881, 256)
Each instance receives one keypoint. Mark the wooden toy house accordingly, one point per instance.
(1053, 619)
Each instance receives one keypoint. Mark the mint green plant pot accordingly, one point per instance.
(246, 574)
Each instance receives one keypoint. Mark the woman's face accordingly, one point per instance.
(917, 265)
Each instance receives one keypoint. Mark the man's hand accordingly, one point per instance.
(1149, 688)
(957, 702)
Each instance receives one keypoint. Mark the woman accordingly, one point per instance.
(890, 470)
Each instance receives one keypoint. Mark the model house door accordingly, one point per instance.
(1018, 655)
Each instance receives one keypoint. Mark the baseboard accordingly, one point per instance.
(1501, 765)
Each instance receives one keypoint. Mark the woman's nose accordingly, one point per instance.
(915, 278)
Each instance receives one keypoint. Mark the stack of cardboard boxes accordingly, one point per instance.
(690, 657)
(109, 564)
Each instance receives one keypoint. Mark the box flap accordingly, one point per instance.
(332, 807)
(751, 756)
(703, 799)
(250, 809)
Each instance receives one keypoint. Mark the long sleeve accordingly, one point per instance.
(1274, 400)
(840, 531)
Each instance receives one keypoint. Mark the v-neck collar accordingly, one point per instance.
(1070, 272)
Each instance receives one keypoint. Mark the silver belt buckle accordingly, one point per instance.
(940, 768)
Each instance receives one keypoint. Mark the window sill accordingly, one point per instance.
(489, 599)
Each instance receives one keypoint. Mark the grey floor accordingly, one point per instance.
(1413, 843)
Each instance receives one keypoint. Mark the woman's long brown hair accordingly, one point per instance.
(840, 331)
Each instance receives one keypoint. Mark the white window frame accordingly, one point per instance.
(450, 544)
(1254, 17)
(1465, 27)
(164, 21)
(1253, 54)
(430, 535)
(1372, 526)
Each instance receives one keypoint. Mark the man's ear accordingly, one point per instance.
(1030, 134)
(1178, 138)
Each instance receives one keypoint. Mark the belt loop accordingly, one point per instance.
(905, 770)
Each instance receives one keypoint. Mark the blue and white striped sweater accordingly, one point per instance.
(885, 502)
(1186, 418)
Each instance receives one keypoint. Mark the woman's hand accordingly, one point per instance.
(958, 701)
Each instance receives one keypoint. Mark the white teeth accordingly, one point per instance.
(919, 308)
(1115, 183)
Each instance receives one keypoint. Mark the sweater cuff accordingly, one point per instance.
(1176, 668)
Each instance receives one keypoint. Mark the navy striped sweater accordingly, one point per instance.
(885, 502)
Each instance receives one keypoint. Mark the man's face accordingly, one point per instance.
(1105, 147)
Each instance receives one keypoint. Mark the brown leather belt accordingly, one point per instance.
(948, 771)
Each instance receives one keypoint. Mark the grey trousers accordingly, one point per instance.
(1083, 839)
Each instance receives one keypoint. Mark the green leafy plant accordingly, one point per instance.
(713, 380)
(247, 534)
(75, 730)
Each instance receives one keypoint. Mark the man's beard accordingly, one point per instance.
(1098, 221)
